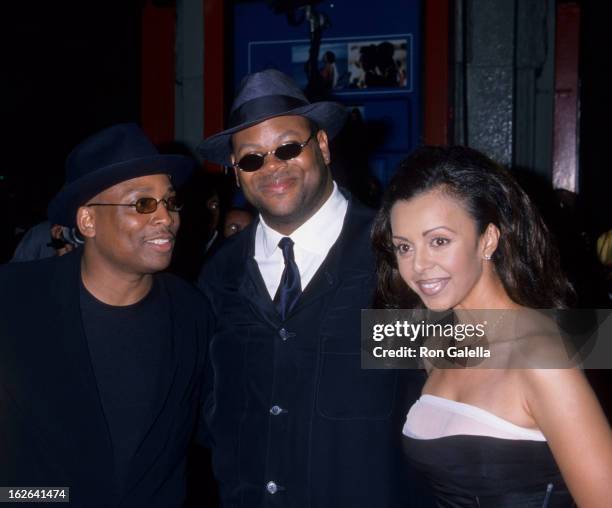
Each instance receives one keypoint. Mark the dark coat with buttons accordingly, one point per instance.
(292, 419)
(53, 431)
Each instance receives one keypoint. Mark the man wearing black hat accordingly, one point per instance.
(100, 357)
(292, 419)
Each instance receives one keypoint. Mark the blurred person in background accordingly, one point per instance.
(236, 219)
(46, 240)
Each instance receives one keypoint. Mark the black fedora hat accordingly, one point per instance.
(265, 95)
(113, 155)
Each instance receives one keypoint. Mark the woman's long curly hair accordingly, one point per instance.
(526, 259)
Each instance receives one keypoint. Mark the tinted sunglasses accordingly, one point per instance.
(148, 205)
(254, 161)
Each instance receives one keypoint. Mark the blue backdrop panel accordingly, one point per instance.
(376, 53)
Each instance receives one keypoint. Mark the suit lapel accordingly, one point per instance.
(325, 280)
(163, 410)
(252, 286)
(70, 381)
(256, 294)
(330, 273)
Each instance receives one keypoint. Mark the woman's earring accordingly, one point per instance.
(487, 257)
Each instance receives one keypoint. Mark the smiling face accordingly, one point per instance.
(439, 252)
(287, 193)
(127, 241)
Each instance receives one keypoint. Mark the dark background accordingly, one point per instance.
(596, 113)
(71, 68)
(68, 69)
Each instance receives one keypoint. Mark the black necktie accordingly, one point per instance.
(290, 287)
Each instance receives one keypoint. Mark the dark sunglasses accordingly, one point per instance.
(148, 205)
(254, 161)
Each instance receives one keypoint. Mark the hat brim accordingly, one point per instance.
(63, 207)
(329, 116)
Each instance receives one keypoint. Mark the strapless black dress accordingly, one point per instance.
(488, 472)
(509, 467)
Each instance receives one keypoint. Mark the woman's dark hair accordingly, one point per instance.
(526, 259)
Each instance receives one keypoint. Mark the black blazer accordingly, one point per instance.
(292, 419)
(53, 430)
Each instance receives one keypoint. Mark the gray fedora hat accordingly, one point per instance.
(265, 95)
(113, 155)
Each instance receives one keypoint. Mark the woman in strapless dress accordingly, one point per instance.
(457, 232)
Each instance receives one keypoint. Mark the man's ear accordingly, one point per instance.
(324, 146)
(86, 221)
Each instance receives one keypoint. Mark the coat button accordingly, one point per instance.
(271, 487)
(276, 410)
(285, 334)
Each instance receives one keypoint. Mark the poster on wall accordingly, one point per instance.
(376, 64)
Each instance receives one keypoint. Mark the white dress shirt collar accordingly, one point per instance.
(312, 242)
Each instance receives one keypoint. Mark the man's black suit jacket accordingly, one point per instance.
(293, 420)
(53, 430)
